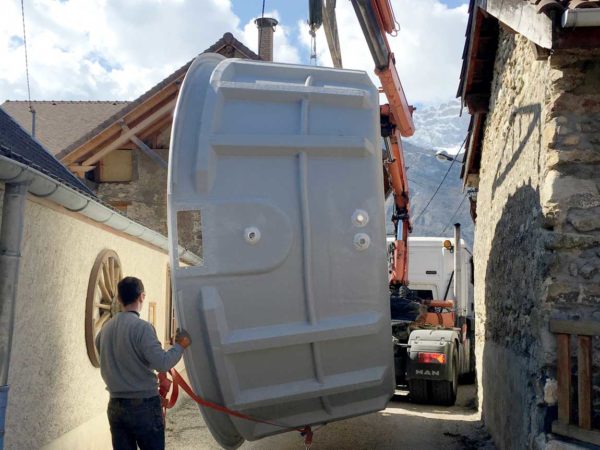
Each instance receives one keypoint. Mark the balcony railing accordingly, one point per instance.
(579, 427)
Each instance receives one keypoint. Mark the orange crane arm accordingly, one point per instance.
(376, 18)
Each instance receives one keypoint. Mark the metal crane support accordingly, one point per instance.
(331, 32)
(376, 18)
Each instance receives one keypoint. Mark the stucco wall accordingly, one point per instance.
(56, 394)
(536, 239)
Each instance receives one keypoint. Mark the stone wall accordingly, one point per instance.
(537, 234)
(508, 250)
(146, 193)
(146, 196)
(571, 195)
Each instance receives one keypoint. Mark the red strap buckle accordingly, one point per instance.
(165, 385)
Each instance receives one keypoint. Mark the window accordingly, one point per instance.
(424, 294)
(116, 167)
(189, 233)
(101, 302)
(170, 321)
(152, 313)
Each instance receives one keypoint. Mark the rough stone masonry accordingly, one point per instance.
(537, 239)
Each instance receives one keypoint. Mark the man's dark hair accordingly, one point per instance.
(130, 288)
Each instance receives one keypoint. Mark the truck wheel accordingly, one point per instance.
(470, 376)
(418, 391)
(444, 392)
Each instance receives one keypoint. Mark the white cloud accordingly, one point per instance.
(283, 50)
(428, 47)
(111, 49)
(117, 49)
(323, 55)
(104, 49)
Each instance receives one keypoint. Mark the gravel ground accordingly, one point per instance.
(403, 425)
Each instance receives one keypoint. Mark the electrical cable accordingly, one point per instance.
(441, 183)
(454, 214)
(416, 182)
(26, 58)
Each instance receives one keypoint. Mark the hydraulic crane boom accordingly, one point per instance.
(376, 19)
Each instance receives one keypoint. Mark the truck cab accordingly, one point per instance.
(431, 272)
(433, 320)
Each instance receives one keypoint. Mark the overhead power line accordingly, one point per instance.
(31, 110)
(441, 183)
(454, 214)
(26, 58)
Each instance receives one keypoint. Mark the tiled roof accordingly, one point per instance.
(546, 6)
(227, 44)
(17, 144)
(229, 40)
(123, 111)
(60, 123)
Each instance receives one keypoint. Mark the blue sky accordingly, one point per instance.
(117, 49)
(292, 11)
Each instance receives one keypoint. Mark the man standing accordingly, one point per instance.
(129, 354)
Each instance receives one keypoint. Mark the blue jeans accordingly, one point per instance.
(136, 422)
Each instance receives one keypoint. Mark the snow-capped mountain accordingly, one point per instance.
(438, 128)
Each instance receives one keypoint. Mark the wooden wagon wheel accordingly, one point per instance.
(101, 303)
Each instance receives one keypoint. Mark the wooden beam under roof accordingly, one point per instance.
(102, 139)
(126, 136)
(144, 148)
(79, 169)
(522, 17)
(156, 128)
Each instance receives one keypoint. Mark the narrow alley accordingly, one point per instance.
(403, 425)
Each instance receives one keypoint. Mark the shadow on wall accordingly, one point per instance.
(515, 321)
(528, 117)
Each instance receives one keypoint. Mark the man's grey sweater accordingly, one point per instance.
(129, 352)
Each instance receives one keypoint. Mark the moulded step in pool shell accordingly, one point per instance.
(277, 168)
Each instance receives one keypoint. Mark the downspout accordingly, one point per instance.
(11, 236)
(458, 270)
(573, 18)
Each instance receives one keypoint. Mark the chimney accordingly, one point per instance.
(266, 27)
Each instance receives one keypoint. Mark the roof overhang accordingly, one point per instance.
(155, 106)
(537, 20)
(148, 114)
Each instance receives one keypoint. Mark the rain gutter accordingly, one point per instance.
(573, 18)
(42, 185)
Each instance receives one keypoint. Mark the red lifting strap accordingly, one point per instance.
(169, 402)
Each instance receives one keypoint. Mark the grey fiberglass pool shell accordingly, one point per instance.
(289, 312)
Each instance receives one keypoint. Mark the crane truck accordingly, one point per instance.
(434, 340)
(433, 334)
(275, 170)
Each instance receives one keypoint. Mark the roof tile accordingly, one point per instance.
(17, 144)
(60, 123)
(227, 40)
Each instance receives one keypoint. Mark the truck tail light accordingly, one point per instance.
(432, 358)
